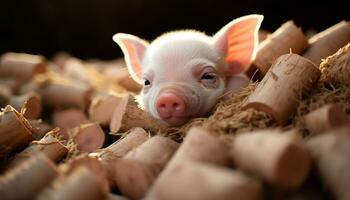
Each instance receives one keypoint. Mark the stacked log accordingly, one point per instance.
(71, 129)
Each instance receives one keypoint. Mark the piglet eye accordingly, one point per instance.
(147, 82)
(209, 80)
(209, 76)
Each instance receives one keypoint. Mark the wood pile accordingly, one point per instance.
(71, 129)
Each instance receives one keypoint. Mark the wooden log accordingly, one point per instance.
(128, 115)
(126, 81)
(102, 108)
(76, 70)
(27, 179)
(68, 118)
(325, 118)
(92, 163)
(135, 173)
(29, 103)
(281, 159)
(29, 86)
(288, 38)
(10, 83)
(60, 94)
(191, 180)
(102, 65)
(112, 196)
(311, 190)
(60, 59)
(40, 128)
(21, 66)
(49, 146)
(80, 184)
(15, 131)
(328, 42)
(5, 95)
(263, 34)
(121, 76)
(279, 91)
(200, 146)
(331, 152)
(120, 148)
(89, 137)
(203, 146)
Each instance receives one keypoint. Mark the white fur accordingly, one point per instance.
(172, 56)
(168, 62)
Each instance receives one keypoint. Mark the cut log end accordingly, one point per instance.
(203, 146)
(132, 178)
(29, 104)
(325, 118)
(293, 167)
(16, 132)
(69, 118)
(331, 154)
(33, 108)
(88, 137)
(279, 158)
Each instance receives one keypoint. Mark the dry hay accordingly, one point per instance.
(229, 118)
(330, 88)
(335, 68)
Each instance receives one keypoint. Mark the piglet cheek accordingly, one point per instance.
(236, 82)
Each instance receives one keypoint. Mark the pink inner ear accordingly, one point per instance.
(134, 49)
(242, 42)
(134, 60)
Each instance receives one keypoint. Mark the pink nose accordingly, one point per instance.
(169, 104)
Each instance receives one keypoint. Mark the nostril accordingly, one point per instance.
(170, 104)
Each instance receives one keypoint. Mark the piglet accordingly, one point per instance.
(185, 72)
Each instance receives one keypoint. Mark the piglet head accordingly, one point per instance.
(185, 72)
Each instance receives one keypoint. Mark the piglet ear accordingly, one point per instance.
(238, 41)
(134, 49)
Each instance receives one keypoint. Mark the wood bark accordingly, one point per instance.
(278, 93)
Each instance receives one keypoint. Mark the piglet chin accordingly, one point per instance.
(175, 121)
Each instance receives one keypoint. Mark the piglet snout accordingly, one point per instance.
(170, 104)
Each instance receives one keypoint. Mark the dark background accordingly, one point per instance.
(84, 28)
